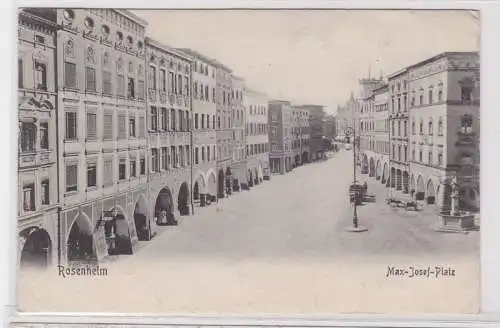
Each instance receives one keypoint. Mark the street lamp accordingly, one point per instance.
(355, 224)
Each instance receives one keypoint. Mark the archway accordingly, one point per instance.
(220, 184)
(364, 164)
(117, 232)
(183, 199)
(297, 160)
(431, 192)
(372, 167)
(196, 193)
(199, 190)
(420, 191)
(37, 248)
(250, 178)
(385, 174)
(305, 157)
(80, 242)
(164, 208)
(378, 171)
(406, 181)
(399, 180)
(212, 188)
(229, 178)
(141, 219)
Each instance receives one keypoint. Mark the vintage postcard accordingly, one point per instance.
(241, 162)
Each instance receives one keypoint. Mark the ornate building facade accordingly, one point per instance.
(257, 137)
(238, 162)
(169, 130)
(38, 197)
(102, 119)
(203, 128)
(444, 116)
(224, 132)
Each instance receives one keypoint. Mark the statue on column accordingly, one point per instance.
(455, 196)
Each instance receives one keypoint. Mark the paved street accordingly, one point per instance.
(279, 248)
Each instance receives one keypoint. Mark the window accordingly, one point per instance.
(440, 126)
(440, 95)
(44, 136)
(421, 129)
(108, 127)
(181, 120)
(420, 156)
(122, 126)
(173, 125)
(196, 157)
(164, 154)
(203, 121)
(196, 121)
(413, 154)
(29, 197)
(186, 88)
(431, 128)
(208, 153)
(108, 173)
(466, 124)
(71, 131)
(152, 78)
(142, 163)
(405, 128)
(213, 95)
(91, 126)
(71, 177)
(131, 127)
(40, 76)
(154, 119)
(164, 119)
(413, 127)
(90, 82)
(91, 175)
(163, 80)
(430, 157)
(174, 156)
(45, 192)
(203, 153)
(106, 83)
(140, 90)
(421, 100)
(121, 85)
(466, 92)
(171, 82)
(213, 122)
(20, 73)
(154, 160)
(131, 88)
(142, 123)
(70, 75)
(440, 158)
(122, 169)
(133, 167)
(178, 87)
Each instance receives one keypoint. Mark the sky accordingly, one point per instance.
(314, 56)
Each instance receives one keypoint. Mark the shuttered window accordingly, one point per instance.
(142, 123)
(70, 75)
(106, 83)
(108, 127)
(91, 126)
(122, 126)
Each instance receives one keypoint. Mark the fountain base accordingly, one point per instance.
(458, 223)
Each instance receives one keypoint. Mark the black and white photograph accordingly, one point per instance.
(248, 161)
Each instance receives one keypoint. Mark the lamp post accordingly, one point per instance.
(355, 222)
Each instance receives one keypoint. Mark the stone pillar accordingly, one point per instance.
(441, 197)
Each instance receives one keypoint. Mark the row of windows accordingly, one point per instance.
(207, 154)
(258, 110)
(34, 137)
(166, 158)
(108, 172)
(201, 92)
(29, 195)
(465, 126)
(204, 121)
(177, 83)
(382, 107)
(300, 143)
(134, 128)
(202, 69)
(255, 149)
(163, 119)
(256, 128)
(430, 157)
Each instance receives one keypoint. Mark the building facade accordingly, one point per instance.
(38, 198)
(224, 131)
(102, 122)
(169, 138)
(444, 116)
(301, 129)
(316, 135)
(238, 162)
(346, 117)
(399, 131)
(380, 133)
(330, 127)
(257, 137)
(203, 128)
(280, 136)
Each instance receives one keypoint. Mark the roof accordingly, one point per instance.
(381, 88)
(163, 47)
(47, 16)
(132, 16)
(441, 55)
(195, 54)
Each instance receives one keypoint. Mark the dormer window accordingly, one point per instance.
(69, 14)
(89, 23)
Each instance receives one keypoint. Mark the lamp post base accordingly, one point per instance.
(356, 229)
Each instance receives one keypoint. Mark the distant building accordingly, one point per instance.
(316, 135)
(330, 127)
(256, 137)
(238, 163)
(301, 129)
(280, 136)
(345, 116)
